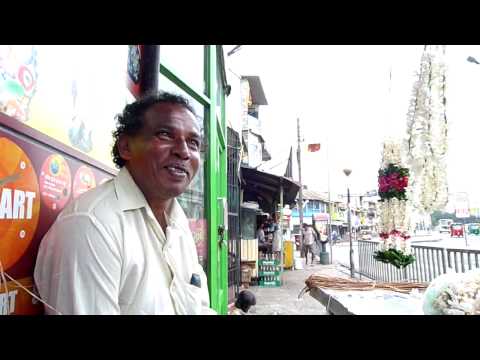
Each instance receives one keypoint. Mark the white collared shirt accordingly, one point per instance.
(107, 254)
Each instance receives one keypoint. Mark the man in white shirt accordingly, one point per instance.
(126, 247)
(308, 240)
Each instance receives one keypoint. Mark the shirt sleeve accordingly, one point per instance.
(78, 267)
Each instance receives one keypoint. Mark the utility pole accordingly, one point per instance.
(300, 194)
(329, 205)
(281, 226)
(347, 172)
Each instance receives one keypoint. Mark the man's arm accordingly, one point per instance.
(78, 267)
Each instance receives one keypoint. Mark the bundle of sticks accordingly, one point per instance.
(336, 283)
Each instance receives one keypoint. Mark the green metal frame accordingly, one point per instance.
(222, 138)
(216, 188)
(215, 175)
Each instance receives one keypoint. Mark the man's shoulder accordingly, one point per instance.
(94, 214)
(100, 202)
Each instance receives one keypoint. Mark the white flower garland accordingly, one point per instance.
(453, 294)
(393, 212)
(426, 142)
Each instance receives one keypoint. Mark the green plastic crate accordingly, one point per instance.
(269, 273)
(274, 283)
(268, 262)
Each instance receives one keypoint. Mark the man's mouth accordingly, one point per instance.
(177, 170)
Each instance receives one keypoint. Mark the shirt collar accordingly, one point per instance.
(176, 216)
(130, 197)
(128, 193)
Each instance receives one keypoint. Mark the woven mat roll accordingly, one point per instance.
(337, 283)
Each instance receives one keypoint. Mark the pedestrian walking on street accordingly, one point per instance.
(334, 237)
(277, 242)
(308, 240)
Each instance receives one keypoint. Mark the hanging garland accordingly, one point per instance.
(392, 188)
(392, 182)
(426, 143)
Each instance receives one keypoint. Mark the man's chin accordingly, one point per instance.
(174, 191)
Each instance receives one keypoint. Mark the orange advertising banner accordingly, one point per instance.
(36, 183)
(14, 300)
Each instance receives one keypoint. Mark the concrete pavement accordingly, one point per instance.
(284, 300)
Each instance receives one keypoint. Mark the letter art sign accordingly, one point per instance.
(19, 203)
(35, 185)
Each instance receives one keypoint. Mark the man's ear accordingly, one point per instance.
(123, 146)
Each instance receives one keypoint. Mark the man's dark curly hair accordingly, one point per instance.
(130, 121)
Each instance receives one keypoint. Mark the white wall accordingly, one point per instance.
(234, 100)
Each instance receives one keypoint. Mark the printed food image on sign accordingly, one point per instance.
(55, 182)
(84, 180)
(80, 131)
(19, 202)
(198, 227)
(18, 78)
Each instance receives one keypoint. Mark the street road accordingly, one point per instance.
(341, 251)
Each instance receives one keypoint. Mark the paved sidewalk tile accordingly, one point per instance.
(284, 300)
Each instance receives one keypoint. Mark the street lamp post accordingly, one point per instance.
(347, 173)
(473, 60)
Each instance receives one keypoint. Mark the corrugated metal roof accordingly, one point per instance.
(264, 188)
(313, 195)
(256, 90)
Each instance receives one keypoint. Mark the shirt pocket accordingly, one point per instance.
(187, 298)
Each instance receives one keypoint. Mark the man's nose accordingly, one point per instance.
(181, 149)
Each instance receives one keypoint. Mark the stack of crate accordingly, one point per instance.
(269, 272)
(249, 254)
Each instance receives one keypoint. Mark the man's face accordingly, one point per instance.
(164, 156)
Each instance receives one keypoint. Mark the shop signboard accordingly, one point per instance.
(324, 217)
(71, 93)
(143, 69)
(475, 212)
(36, 183)
(461, 206)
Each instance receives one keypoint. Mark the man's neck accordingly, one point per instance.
(160, 208)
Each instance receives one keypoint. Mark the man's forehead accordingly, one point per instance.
(171, 113)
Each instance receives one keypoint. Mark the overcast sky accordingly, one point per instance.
(345, 100)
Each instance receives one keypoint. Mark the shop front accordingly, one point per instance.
(266, 199)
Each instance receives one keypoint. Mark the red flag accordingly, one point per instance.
(313, 147)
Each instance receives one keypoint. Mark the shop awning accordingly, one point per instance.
(264, 188)
(256, 89)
